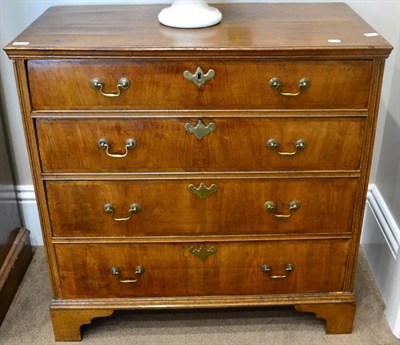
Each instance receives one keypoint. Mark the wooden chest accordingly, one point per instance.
(218, 167)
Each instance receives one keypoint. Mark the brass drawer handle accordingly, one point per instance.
(117, 272)
(103, 144)
(271, 207)
(199, 78)
(123, 84)
(200, 130)
(109, 208)
(202, 191)
(275, 83)
(300, 144)
(267, 269)
(203, 253)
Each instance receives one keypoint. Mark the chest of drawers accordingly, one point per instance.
(220, 167)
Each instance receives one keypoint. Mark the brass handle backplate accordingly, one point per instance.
(98, 84)
(203, 253)
(275, 83)
(117, 272)
(202, 191)
(300, 144)
(267, 269)
(271, 207)
(199, 78)
(200, 130)
(109, 208)
(103, 144)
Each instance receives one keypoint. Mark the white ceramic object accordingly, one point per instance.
(190, 14)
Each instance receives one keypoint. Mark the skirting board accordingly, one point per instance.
(30, 216)
(381, 243)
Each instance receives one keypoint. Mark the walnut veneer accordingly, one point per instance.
(159, 193)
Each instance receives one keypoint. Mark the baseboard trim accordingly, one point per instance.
(25, 193)
(30, 217)
(396, 328)
(384, 218)
(381, 242)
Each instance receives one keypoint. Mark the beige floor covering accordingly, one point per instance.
(28, 321)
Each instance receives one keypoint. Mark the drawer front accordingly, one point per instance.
(231, 268)
(220, 144)
(238, 84)
(201, 207)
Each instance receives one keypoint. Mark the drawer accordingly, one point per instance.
(228, 144)
(237, 84)
(201, 207)
(231, 268)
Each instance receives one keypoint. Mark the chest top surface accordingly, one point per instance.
(291, 29)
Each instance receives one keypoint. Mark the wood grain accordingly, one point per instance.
(165, 145)
(159, 84)
(274, 29)
(171, 270)
(339, 317)
(169, 208)
(67, 323)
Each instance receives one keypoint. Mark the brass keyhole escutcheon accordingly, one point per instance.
(199, 77)
(200, 130)
(203, 253)
(202, 191)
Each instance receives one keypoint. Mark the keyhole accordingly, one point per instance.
(199, 75)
